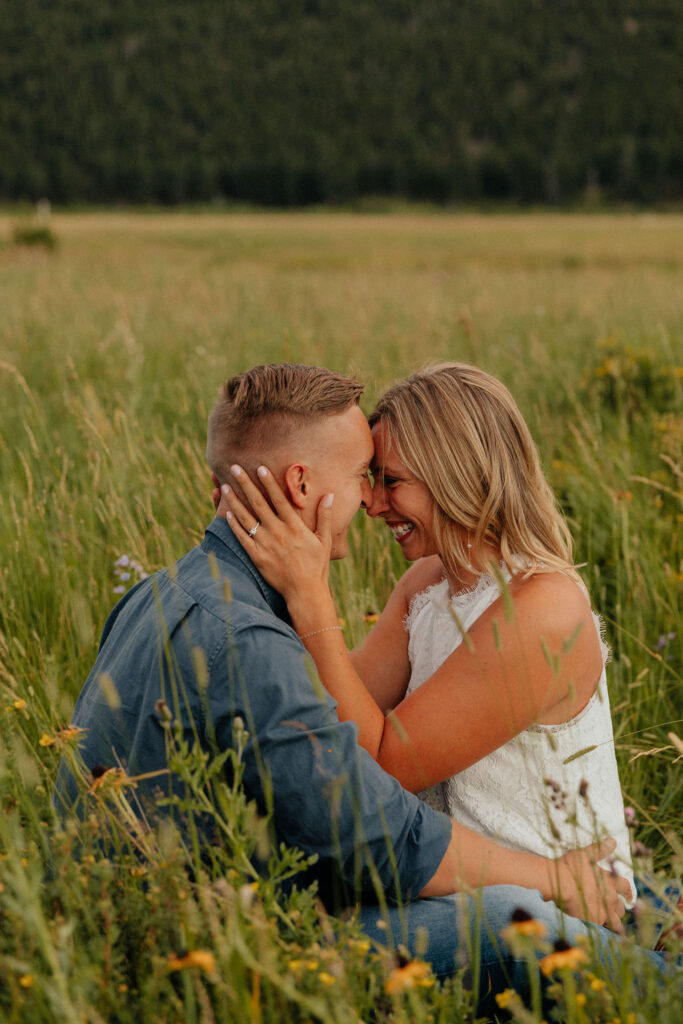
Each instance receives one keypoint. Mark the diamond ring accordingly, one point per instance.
(252, 532)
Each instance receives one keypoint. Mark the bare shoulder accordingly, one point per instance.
(421, 574)
(554, 601)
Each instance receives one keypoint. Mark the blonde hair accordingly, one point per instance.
(261, 410)
(459, 431)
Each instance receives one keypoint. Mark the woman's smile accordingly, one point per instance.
(401, 500)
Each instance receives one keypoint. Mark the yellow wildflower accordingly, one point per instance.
(409, 976)
(359, 945)
(201, 958)
(370, 617)
(580, 999)
(561, 959)
(532, 927)
(504, 998)
(26, 980)
(327, 979)
(69, 731)
(19, 704)
(597, 984)
(45, 740)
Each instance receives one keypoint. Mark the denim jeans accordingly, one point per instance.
(450, 932)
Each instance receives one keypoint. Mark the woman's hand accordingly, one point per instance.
(291, 557)
(588, 891)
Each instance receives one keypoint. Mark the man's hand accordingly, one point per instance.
(586, 890)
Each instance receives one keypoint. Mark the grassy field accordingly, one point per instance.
(112, 348)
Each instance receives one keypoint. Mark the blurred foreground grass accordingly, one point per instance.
(112, 348)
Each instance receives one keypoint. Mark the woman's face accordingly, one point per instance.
(404, 503)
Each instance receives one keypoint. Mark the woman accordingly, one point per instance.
(482, 686)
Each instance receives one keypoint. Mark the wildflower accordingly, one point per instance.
(505, 997)
(359, 945)
(123, 561)
(630, 815)
(664, 640)
(201, 958)
(327, 979)
(639, 849)
(341, 622)
(411, 975)
(116, 776)
(70, 731)
(118, 590)
(45, 740)
(370, 617)
(580, 999)
(597, 984)
(522, 923)
(563, 957)
(26, 980)
(19, 704)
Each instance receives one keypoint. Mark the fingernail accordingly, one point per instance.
(225, 489)
(235, 470)
(228, 514)
(262, 471)
(327, 500)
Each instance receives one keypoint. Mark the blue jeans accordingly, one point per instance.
(450, 932)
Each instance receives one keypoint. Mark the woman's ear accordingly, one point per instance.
(297, 485)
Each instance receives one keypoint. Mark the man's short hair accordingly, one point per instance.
(260, 410)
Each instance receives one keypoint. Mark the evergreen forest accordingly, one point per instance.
(325, 101)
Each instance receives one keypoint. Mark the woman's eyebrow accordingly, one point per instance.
(385, 470)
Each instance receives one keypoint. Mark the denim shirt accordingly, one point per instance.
(213, 640)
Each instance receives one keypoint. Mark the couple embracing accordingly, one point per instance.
(439, 757)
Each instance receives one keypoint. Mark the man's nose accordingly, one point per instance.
(366, 494)
(378, 504)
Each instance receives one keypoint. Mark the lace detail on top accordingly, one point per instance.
(551, 787)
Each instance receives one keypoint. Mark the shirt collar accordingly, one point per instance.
(219, 536)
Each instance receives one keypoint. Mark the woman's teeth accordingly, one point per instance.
(401, 530)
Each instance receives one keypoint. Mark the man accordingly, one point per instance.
(209, 642)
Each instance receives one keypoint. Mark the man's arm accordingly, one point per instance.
(574, 881)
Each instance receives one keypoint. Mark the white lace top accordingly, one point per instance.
(531, 793)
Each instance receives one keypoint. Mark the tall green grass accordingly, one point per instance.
(112, 348)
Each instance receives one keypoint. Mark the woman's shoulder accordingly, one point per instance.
(422, 574)
(551, 599)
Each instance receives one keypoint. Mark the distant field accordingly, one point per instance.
(112, 348)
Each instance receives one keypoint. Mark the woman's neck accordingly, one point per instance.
(467, 577)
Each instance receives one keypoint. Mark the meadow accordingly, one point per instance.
(112, 348)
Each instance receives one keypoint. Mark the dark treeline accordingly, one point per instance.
(324, 100)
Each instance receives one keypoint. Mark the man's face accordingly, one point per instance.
(339, 450)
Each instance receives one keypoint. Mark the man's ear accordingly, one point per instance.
(297, 485)
(216, 494)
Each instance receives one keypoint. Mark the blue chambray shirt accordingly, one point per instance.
(326, 795)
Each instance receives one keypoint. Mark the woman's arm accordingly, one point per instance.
(507, 674)
(382, 660)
